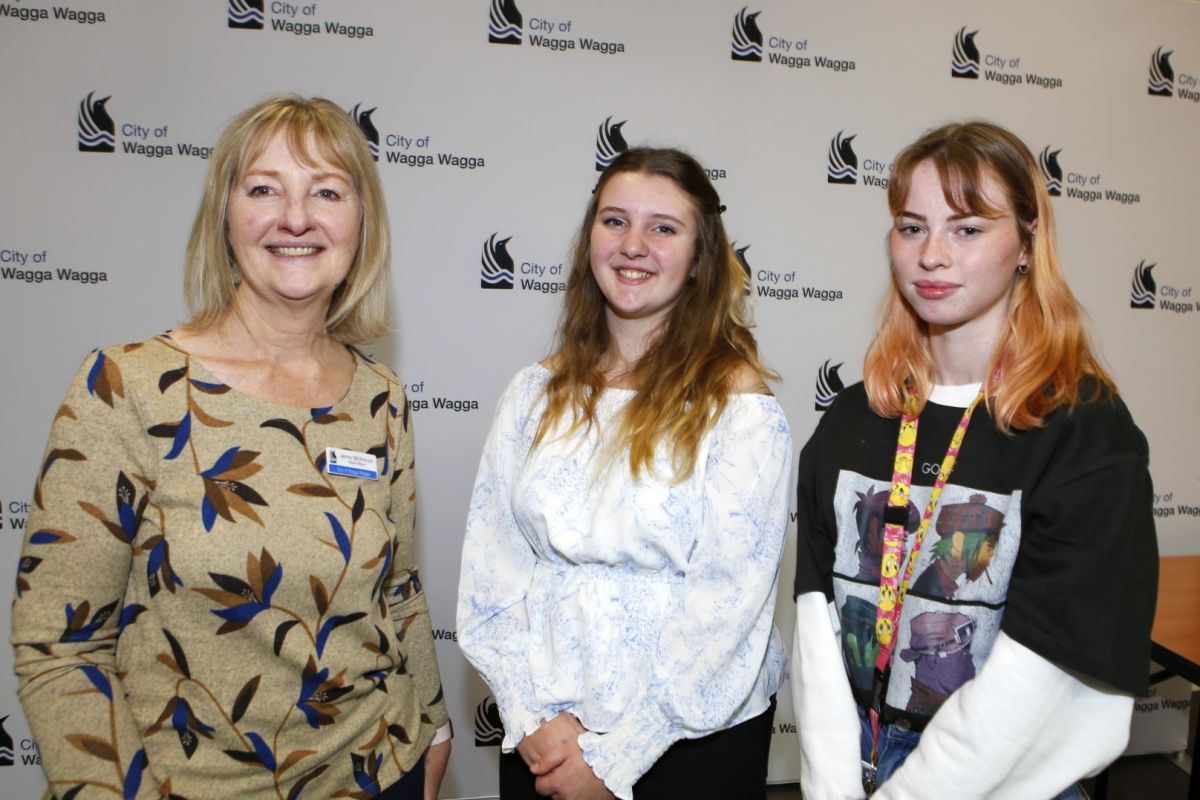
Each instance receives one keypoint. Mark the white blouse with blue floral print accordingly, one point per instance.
(641, 606)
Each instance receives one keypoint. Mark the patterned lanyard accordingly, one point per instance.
(893, 589)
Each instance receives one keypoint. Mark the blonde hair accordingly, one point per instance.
(1044, 352)
(684, 378)
(358, 311)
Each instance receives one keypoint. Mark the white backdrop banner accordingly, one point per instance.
(490, 121)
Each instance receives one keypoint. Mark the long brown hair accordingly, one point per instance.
(684, 378)
(1044, 350)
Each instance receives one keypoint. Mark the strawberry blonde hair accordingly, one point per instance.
(684, 378)
(1044, 353)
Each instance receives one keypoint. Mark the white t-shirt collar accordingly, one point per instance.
(955, 396)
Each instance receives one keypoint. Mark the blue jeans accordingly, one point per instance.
(895, 743)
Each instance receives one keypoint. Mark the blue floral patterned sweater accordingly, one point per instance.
(202, 610)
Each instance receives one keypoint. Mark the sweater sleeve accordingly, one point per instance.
(1024, 727)
(92, 489)
(497, 567)
(711, 652)
(406, 597)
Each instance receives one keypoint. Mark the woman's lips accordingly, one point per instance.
(933, 290)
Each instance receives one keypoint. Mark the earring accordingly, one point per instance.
(1022, 269)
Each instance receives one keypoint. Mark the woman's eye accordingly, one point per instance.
(613, 222)
(969, 230)
(259, 191)
(328, 194)
(909, 230)
(663, 229)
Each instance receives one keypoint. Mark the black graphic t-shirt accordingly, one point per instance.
(1047, 534)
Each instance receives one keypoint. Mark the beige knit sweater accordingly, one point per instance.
(202, 610)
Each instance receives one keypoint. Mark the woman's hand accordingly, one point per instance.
(573, 779)
(551, 743)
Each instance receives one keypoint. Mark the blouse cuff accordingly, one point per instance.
(623, 755)
(519, 723)
(443, 734)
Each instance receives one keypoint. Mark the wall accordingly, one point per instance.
(480, 139)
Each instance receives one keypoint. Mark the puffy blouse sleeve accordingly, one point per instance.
(497, 567)
(711, 653)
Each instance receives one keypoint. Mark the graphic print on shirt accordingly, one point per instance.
(940, 651)
(969, 534)
(955, 603)
(868, 515)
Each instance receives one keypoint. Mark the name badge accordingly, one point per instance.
(351, 464)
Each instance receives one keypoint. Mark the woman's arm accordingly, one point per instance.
(1024, 727)
(403, 590)
(826, 715)
(92, 489)
(827, 721)
(497, 566)
(711, 652)
(436, 759)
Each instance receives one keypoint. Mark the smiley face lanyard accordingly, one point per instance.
(893, 588)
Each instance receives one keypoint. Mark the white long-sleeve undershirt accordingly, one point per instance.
(1023, 728)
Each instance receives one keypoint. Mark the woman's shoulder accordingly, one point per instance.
(525, 386)
(849, 400)
(366, 365)
(1098, 411)
(123, 378)
(1096, 430)
(128, 362)
(745, 379)
(535, 374)
(751, 403)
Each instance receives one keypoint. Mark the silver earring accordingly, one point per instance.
(1022, 269)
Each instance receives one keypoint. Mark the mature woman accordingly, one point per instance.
(995, 647)
(217, 595)
(623, 543)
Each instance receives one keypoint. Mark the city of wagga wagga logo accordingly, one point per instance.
(300, 19)
(1087, 187)
(1002, 68)
(749, 36)
(782, 286)
(552, 34)
(35, 267)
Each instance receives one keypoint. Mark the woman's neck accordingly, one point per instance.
(629, 341)
(253, 331)
(961, 355)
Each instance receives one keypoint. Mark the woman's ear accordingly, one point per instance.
(1026, 255)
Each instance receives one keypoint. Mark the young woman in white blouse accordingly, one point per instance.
(977, 560)
(623, 543)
